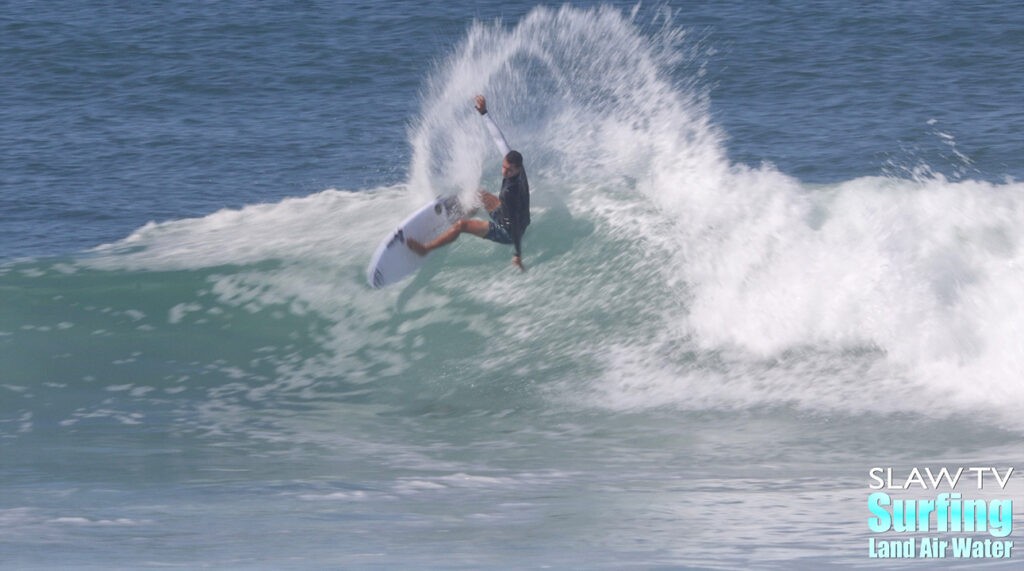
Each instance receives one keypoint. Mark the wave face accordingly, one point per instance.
(661, 274)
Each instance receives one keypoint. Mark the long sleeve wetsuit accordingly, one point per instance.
(514, 212)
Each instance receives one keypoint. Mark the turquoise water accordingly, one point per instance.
(771, 249)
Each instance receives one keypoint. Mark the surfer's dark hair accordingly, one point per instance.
(515, 158)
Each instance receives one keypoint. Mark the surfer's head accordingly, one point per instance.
(512, 165)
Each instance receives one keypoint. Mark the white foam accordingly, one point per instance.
(322, 227)
(917, 277)
(179, 311)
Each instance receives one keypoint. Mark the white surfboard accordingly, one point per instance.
(393, 259)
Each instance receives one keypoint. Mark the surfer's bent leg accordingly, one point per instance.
(474, 227)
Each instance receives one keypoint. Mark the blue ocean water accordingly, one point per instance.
(773, 246)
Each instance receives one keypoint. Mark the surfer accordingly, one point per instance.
(509, 211)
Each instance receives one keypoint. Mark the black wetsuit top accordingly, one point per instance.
(514, 212)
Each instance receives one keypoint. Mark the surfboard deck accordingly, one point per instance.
(393, 259)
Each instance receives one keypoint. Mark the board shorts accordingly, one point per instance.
(498, 233)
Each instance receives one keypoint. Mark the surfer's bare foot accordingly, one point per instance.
(416, 246)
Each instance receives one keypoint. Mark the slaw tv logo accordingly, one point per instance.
(970, 527)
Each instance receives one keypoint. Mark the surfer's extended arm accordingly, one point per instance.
(492, 128)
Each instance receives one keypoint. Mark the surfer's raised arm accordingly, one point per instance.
(499, 139)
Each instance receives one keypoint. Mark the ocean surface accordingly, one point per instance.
(774, 245)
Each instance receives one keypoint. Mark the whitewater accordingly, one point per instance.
(703, 361)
